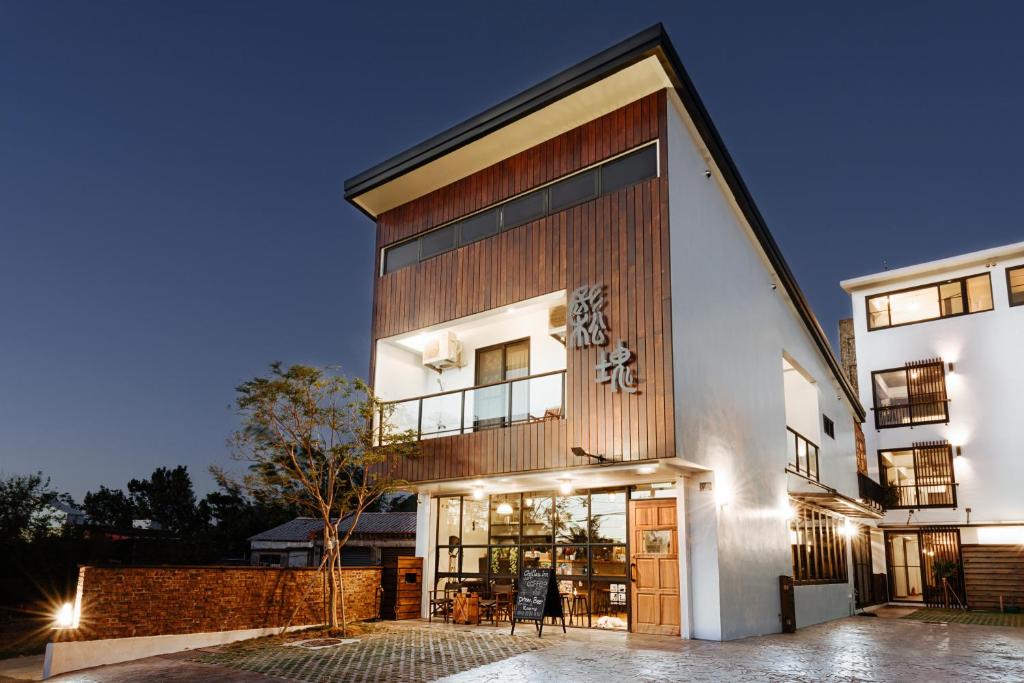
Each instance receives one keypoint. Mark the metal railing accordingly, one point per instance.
(487, 406)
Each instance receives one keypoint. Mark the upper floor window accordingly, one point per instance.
(604, 178)
(911, 395)
(828, 426)
(918, 477)
(1015, 285)
(803, 454)
(929, 302)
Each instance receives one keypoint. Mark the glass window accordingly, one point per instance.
(629, 168)
(929, 302)
(979, 293)
(437, 242)
(505, 519)
(523, 209)
(537, 556)
(448, 559)
(571, 560)
(921, 476)
(608, 560)
(608, 606)
(573, 190)
(505, 560)
(474, 560)
(656, 542)
(1015, 285)
(537, 512)
(401, 256)
(912, 395)
(660, 489)
(608, 517)
(478, 227)
(474, 522)
(571, 513)
(818, 545)
(448, 521)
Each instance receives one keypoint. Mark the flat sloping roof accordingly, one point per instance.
(983, 256)
(646, 48)
(370, 524)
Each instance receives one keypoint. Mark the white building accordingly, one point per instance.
(939, 365)
(612, 371)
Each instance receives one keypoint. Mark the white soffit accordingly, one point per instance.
(607, 95)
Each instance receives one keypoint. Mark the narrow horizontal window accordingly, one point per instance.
(437, 242)
(573, 190)
(478, 227)
(523, 209)
(1015, 285)
(629, 169)
(930, 302)
(401, 256)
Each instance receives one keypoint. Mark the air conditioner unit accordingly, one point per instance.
(556, 322)
(442, 350)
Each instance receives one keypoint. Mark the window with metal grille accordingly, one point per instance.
(818, 545)
(911, 395)
(918, 477)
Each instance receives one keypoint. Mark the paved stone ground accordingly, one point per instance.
(852, 649)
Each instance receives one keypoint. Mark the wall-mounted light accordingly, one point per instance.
(65, 617)
(959, 450)
(848, 529)
(952, 368)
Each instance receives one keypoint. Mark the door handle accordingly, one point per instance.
(632, 572)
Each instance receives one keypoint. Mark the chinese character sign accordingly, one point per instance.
(613, 367)
(586, 311)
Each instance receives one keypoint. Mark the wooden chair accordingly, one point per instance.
(441, 601)
(499, 606)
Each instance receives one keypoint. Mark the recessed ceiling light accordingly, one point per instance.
(647, 469)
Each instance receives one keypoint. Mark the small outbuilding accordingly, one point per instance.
(378, 537)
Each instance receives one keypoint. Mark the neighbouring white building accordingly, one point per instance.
(940, 365)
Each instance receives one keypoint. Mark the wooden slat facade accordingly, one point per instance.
(991, 571)
(620, 239)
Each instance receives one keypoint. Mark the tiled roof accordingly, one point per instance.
(370, 524)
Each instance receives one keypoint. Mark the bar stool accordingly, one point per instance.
(580, 606)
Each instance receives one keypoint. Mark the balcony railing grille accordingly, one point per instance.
(461, 411)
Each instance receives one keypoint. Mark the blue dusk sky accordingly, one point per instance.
(171, 212)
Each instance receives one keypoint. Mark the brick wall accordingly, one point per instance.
(122, 602)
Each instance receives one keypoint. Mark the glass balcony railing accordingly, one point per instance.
(461, 411)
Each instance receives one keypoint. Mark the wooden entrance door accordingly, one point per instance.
(654, 566)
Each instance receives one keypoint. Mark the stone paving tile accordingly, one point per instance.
(853, 649)
(397, 654)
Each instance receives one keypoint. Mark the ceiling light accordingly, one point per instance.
(647, 469)
(478, 493)
(565, 487)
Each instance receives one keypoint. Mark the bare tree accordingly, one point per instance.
(325, 444)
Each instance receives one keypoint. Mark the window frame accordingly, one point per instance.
(828, 426)
(875, 408)
(795, 465)
(936, 285)
(548, 211)
(914, 449)
(1009, 291)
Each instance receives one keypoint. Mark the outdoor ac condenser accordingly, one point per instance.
(442, 350)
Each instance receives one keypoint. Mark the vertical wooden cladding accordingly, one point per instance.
(619, 239)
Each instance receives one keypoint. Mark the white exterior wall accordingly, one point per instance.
(730, 329)
(985, 393)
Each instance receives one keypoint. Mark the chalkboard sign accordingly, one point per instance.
(537, 598)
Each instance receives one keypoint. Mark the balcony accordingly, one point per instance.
(803, 454)
(489, 406)
(870, 490)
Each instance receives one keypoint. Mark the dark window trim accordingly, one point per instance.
(905, 369)
(796, 456)
(547, 206)
(1009, 293)
(963, 293)
(882, 481)
(828, 426)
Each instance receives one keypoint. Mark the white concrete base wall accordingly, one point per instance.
(84, 654)
(825, 602)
